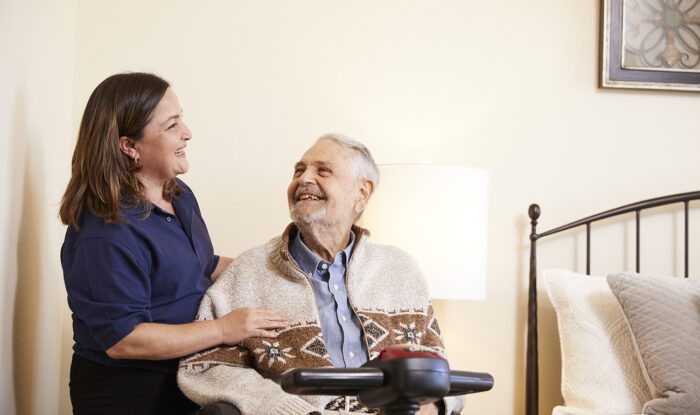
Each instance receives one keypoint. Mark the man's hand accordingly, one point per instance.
(244, 323)
(429, 409)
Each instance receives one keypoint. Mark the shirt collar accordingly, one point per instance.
(309, 261)
(181, 203)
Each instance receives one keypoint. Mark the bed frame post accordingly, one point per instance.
(685, 208)
(532, 370)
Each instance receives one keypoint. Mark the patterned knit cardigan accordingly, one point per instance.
(385, 289)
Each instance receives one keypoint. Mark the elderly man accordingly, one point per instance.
(347, 299)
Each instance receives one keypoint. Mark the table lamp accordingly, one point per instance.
(439, 215)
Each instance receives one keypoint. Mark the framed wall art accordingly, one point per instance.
(650, 44)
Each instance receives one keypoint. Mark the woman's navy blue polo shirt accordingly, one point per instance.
(152, 269)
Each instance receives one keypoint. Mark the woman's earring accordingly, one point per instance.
(136, 160)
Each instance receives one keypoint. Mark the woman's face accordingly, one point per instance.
(161, 150)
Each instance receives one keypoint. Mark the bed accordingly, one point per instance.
(630, 342)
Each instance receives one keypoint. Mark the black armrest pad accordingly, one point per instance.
(218, 408)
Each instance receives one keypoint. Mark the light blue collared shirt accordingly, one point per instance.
(341, 328)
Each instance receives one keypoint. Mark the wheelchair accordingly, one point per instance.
(397, 382)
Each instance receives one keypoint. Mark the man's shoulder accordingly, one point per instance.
(388, 277)
(388, 253)
(254, 255)
(388, 261)
(251, 262)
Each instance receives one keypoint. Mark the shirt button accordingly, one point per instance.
(344, 318)
(324, 266)
(168, 218)
(335, 287)
(351, 354)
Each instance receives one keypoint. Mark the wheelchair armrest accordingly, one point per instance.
(218, 408)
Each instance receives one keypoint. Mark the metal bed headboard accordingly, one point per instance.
(531, 373)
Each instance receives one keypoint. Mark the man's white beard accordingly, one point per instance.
(315, 216)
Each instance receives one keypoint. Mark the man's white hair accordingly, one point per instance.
(363, 163)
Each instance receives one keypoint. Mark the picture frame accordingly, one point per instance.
(650, 44)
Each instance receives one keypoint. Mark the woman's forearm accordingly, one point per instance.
(155, 341)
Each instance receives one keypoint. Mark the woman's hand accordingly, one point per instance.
(244, 323)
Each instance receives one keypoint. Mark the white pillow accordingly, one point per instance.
(601, 373)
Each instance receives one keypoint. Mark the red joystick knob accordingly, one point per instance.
(402, 352)
(414, 375)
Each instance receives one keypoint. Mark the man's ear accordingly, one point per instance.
(128, 147)
(366, 190)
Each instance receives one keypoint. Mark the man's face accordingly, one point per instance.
(324, 188)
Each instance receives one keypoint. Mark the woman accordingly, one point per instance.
(137, 257)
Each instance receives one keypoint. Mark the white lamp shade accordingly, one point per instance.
(439, 215)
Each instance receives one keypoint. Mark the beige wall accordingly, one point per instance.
(510, 88)
(36, 133)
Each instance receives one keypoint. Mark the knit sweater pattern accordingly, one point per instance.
(386, 290)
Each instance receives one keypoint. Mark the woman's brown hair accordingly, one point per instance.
(102, 177)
